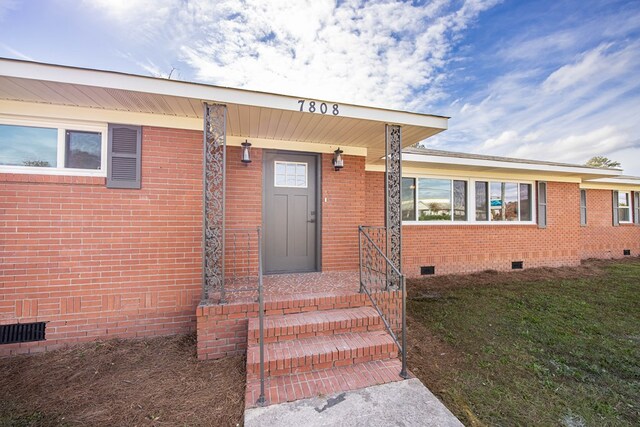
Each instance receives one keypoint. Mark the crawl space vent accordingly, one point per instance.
(427, 270)
(627, 251)
(22, 332)
(517, 265)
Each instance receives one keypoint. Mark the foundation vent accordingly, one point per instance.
(426, 270)
(517, 265)
(627, 252)
(22, 332)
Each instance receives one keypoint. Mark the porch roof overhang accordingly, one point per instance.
(156, 101)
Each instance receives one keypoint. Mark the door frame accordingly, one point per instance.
(318, 159)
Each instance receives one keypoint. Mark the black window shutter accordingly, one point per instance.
(542, 204)
(123, 156)
(616, 218)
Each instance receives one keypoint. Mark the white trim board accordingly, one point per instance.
(458, 161)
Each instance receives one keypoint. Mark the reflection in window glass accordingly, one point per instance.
(525, 202)
(290, 174)
(504, 201)
(83, 150)
(482, 205)
(495, 200)
(511, 201)
(434, 199)
(28, 146)
(624, 207)
(459, 200)
(408, 199)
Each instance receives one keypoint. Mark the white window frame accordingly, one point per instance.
(630, 201)
(62, 127)
(583, 207)
(282, 162)
(471, 206)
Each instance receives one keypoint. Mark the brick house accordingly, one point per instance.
(133, 206)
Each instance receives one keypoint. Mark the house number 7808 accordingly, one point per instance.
(315, 107)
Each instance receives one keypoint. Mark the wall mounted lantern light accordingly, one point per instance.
(246, 152)
(338, 162)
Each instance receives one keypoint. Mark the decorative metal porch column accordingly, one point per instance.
(393, 194)
(213, 200)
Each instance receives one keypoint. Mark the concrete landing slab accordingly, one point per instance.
(401, 403)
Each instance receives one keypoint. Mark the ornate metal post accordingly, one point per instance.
(393, 196)
(213, 199)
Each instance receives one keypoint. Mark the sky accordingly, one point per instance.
(548, 80)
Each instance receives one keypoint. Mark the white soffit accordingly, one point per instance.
(250, 114)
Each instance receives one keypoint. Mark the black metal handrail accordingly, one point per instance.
(378, 279)
(261, 399)
(243, 276)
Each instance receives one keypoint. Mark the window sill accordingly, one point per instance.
(53, 179)
(26, 170)
(469, 223)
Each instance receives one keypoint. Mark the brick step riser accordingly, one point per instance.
(288, 388)
(310, 330)
(322, 361)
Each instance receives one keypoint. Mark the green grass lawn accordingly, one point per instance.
(542, 351)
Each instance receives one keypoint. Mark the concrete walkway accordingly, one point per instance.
(402, 403)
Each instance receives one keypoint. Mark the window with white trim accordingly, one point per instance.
(290, 174)
(434, 199)
(49, 147)
(583, 207)
(507, 201)
(449, 200)
(624, 206)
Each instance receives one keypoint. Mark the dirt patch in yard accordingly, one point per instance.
(152, 382)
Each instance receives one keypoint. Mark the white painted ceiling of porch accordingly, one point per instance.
(242, 120)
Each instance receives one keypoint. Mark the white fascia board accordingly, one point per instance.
(223, 95)
(458, 161)
(628, 181)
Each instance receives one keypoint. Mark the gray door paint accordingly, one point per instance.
(290, 217)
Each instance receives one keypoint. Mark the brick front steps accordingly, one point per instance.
(288, 388)
(324, 322)
(322, 351)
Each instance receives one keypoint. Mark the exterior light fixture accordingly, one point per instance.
(338, 162)
(246, 152)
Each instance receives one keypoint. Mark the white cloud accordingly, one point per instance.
(585, 107)
(578, 148)
(384, 52)
(566, 91)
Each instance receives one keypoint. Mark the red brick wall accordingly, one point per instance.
(343, 210)
(469, 248)
(97, 262)
(243, 212)
(374, 201)
(599, 238)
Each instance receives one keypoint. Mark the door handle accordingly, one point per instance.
(311, 220)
